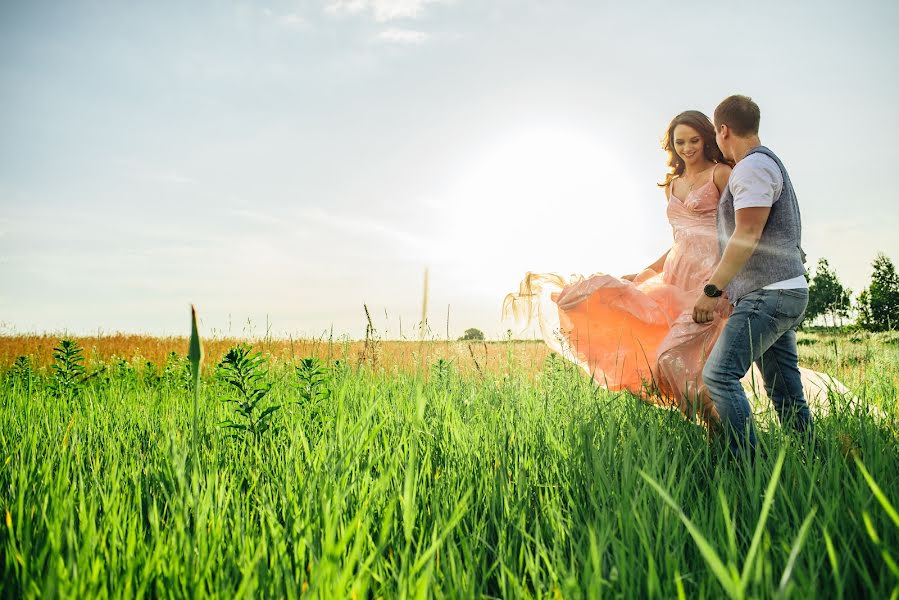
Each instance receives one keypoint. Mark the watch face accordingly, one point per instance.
(711, 290)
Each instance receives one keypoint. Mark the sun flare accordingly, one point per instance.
(544, 199)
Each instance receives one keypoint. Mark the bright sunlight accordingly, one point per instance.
(546, 198)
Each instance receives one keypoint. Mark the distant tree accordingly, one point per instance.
(878, 306)
(472, 334)
(827, 296)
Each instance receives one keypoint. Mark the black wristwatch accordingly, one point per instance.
(711, 290)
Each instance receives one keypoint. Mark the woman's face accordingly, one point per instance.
(688, 144)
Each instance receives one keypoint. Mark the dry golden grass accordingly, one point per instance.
(857, 359)
(485, 357)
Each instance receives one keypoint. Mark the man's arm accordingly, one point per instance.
(749, 225)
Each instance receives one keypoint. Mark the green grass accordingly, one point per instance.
(444, 485)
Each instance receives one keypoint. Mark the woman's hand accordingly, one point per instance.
(629, 276)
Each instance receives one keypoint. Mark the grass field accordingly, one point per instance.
(428, 470)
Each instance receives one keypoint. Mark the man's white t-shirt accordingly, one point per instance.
(757, 181)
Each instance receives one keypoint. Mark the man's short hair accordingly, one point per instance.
(740, 114)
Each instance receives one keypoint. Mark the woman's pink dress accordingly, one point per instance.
(638, 336)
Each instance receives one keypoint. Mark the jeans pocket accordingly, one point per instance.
(792, 303)
(753, 301)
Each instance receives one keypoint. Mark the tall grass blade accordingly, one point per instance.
(423, 325)
(732, 587)
(794, 551)
(878, 493)
(195, 356)
(763, 518)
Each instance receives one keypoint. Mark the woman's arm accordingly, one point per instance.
(722, 174)
(657, 266)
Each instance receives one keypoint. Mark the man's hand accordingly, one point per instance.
(704, 309)
(629, 276)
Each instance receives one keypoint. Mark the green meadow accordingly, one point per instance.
(343, 478)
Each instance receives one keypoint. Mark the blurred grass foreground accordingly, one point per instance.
(434, 469)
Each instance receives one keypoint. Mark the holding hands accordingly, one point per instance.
(707, 303)
(704, 309)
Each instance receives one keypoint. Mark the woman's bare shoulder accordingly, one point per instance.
(722, 174)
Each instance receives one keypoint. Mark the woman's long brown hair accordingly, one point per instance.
(701, 123)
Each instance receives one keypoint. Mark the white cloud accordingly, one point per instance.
(173, 177)
(403, 36)
(145, 170)
(287, 21)
(292, 21)
(346, 7)
(366, 227)
(255, 216)
(381, 10)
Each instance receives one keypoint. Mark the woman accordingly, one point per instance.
(637, 332)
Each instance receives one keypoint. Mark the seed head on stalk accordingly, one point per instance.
(195, 356)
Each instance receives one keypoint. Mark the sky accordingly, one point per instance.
(282, 164)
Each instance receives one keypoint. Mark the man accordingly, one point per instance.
(762, 270)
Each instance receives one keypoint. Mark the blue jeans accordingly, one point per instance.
(761, 329)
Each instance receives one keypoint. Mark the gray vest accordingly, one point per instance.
(779, 255)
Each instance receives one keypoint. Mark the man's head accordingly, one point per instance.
(736, 117)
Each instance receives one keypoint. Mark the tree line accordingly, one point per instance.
(876, 308)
